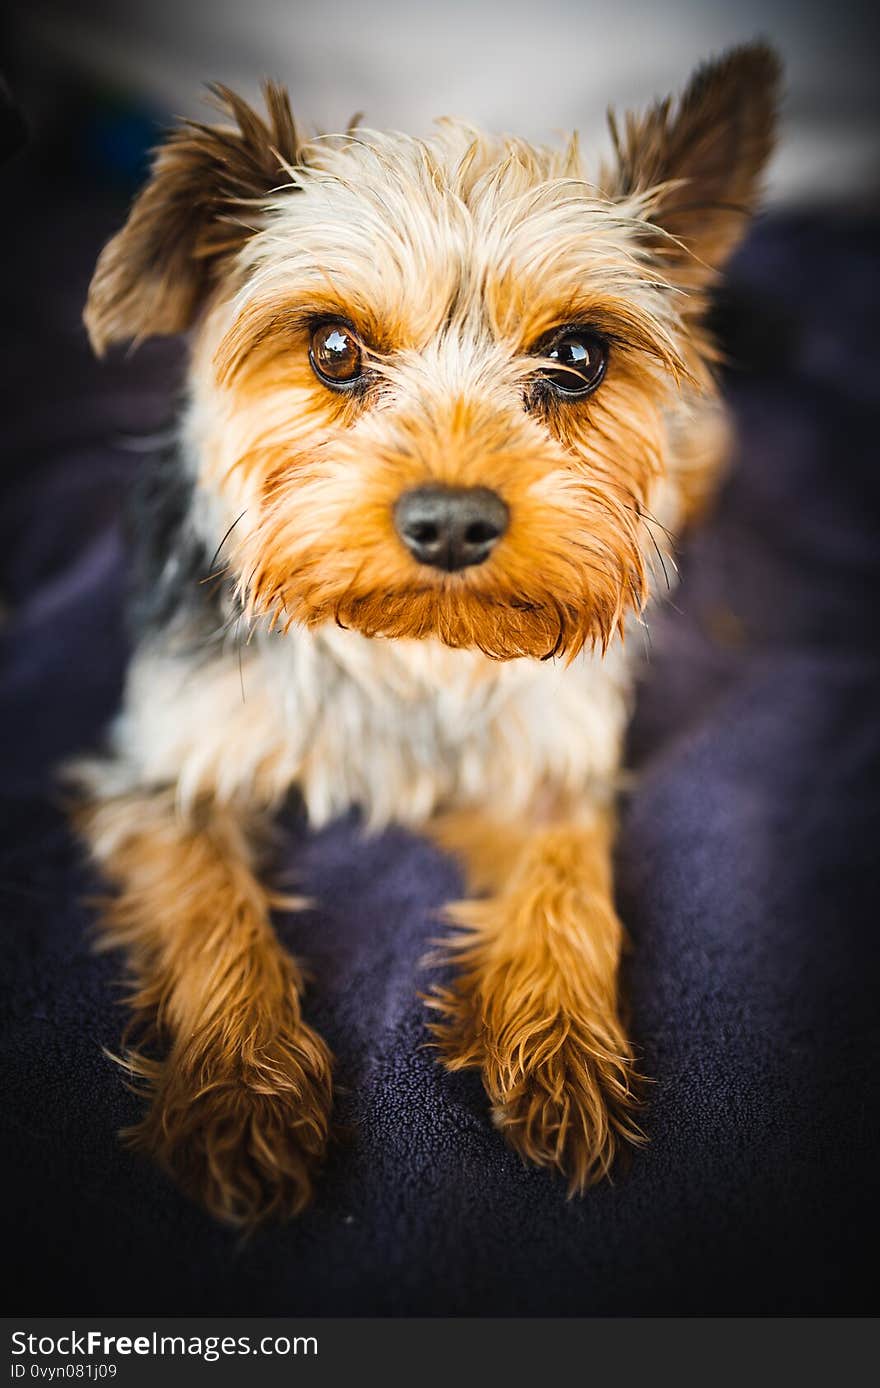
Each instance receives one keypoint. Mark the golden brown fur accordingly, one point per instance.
(487, 704)
(238, 1084)
(534, 1006)
(456, 361)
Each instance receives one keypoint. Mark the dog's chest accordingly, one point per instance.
(403, 728)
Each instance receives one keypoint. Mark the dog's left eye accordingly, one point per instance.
(336, 355)
(581, 356)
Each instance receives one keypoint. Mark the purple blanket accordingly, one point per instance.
(747, 876)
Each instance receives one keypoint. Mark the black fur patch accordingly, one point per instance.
(171, 577)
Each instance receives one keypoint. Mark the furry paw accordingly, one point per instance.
(563, 1086)
(242, 1137)
(569, 1106)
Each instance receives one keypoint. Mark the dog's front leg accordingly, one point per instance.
(239, 1085)
(534, 1002)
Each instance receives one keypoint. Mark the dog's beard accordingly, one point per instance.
(502, 628)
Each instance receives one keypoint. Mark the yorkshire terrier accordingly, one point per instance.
(448, 400)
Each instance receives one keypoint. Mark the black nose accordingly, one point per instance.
(450, 527)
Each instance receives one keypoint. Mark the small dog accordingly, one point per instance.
(447, 400)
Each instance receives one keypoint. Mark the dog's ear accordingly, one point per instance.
(701, 160)
(193, 212)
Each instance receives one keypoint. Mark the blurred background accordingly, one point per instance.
(101, 73)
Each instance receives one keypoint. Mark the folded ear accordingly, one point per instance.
(193, 212)
(700, 160)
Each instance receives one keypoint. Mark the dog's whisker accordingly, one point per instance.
(215, 556)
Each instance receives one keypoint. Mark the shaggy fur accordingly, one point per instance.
(487, 705)
(240, 1104)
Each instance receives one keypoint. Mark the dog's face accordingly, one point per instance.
(433, 381)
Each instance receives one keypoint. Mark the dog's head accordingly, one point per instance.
(433, 381)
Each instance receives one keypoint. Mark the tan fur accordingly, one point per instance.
(238, 1083)
(534, 1006)
(488, 705)
(703, 447)
(316, 475)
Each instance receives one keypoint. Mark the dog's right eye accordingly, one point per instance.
(579, 357)
(336, 355)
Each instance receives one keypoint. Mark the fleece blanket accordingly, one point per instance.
(747, 871)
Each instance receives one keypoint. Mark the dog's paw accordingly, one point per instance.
(570, 1105)
(564, 1090)
(241, 1137)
